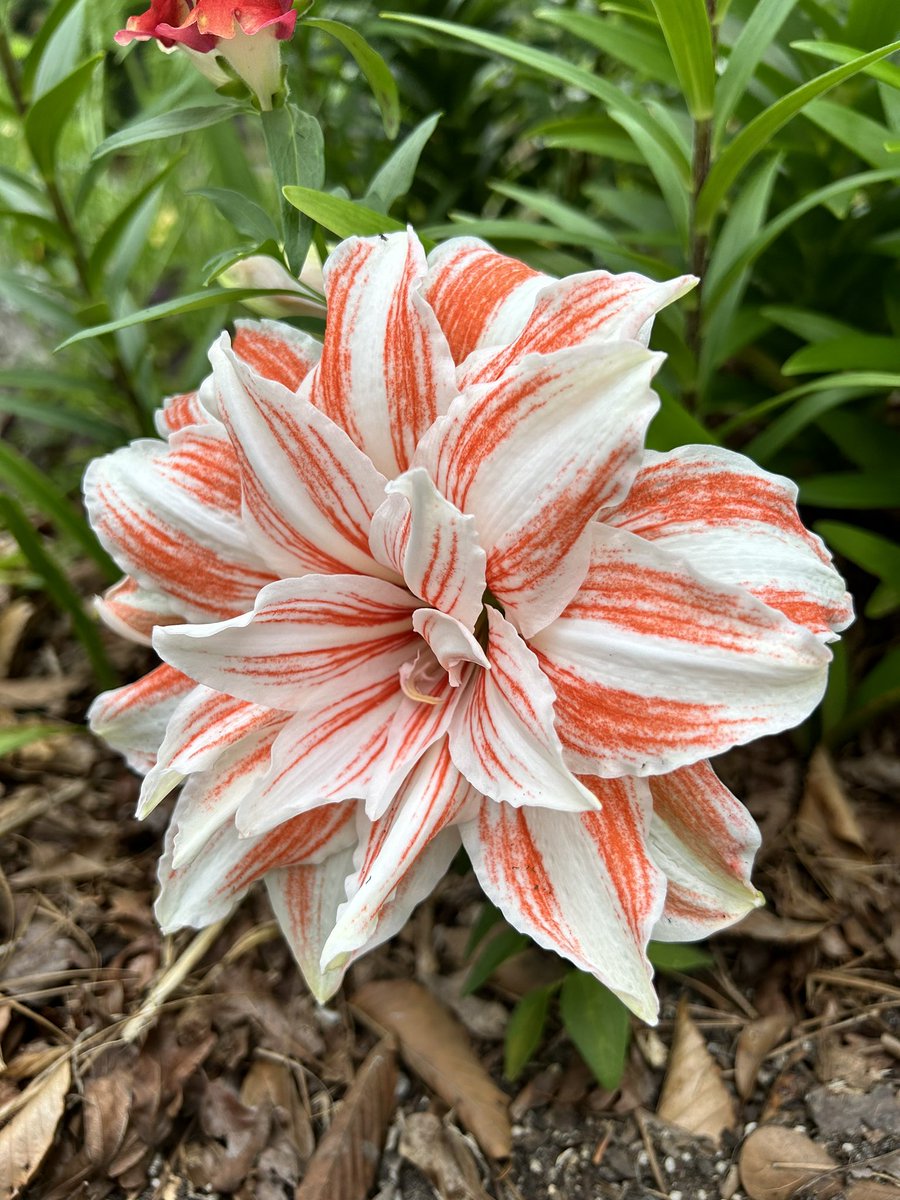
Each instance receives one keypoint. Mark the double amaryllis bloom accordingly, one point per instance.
(421, 586)
(243, 35)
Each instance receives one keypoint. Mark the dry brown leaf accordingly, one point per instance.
(347, 1157)
(825, 807)
(443, 1156)
(756, 1039)
(26, 1139)
(106, 1110)
(13, 620)
(244, 1131)
(693, 1094)
(764, 926)
(775, 1162)
(437, 1048)
(872, 1189)
(274, 1083)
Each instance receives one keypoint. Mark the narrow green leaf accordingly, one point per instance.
(806, 323)
(836, 52)
(297, 155)
(248, 218)
(56, 416)
(643, 50)
(14, 737)
(587, 135)
(851, 352)
(883, 601)
(685, 24)
(373, 67)
(48, 115)
(29, 296)
(563, 215)
(674, 426)
(878, 693)
(62, 52)
(20, 194)
(758, 134)
(345, 218)
(871, 22)
(807, 404)
(598, 1023)
(45, 31)
(524, 1032)
(851, 489)
(874, 553)
(864, 438)
(678, 956)
(167, 125)
(614, 98)
(758, 33)
(671, 182)
(487, 919)
(865, 137)
(33, 485)
(58, 588)
(211, 298)
(394, 177)
(834, 702)
(501, 947)
(117, 230)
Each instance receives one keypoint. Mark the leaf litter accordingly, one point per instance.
(231, 1077)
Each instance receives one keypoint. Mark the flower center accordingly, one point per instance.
(423, 678)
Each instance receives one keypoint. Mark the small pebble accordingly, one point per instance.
(749, 1127)
(642, 1158)
(670, 1164)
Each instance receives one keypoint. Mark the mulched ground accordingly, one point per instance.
(168, 1068)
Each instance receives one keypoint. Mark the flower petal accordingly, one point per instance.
(592, 307)
(308, 492)
(737, 524)
(305, 901)
(133, 718)
(431, 545)
(178, 412)
(534, 456)
(502, 736)
(204, 725)
(170, 517)
(345, 630)
(220, 874)
(133, 612)
(386, 370)
(705, 841)
(391, 860)
(276, 351)
(655, 667)
(481, 298)
(581, 885)
(450, 642)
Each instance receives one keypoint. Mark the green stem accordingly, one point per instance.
(67, 226)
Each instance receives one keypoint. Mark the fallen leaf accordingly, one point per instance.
(437, 1048)
(273, 1083)
(755, 1041)
(693, 1094)
(825, 806)
(13, 620)
(764, 926)
(243, 1129)
(871, 1189)
(105, 1112)
(26, 1139)
(347, 1157)
(775, 1162)
(443, 1156)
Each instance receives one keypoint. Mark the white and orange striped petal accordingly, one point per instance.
(133, 612)
(580, 884)
(336, 631)
(502, 736)
(738, 524)
(308, 492)
(133, 718)
(534, 456)
(386, 372)
(655, 667)
(705, 841)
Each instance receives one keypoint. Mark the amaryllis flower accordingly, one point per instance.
(244, 35)
(421, 586)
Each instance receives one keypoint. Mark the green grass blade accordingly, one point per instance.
(685, 25)
(755, 38)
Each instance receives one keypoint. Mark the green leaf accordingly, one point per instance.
(14, 737)
(33, 485)
(587, 135)
(866, 439)
(640, 49)
(524, 1032)
(598, 1023)
(58, 588)
(555, 210)
(836, 52)
(685, 24)
(759, 31)
(487, 919)
(671, 182)
(878, 693)
(117, 231)
(345, 218)
(834, 702)
(29, 296)
(674, 426)
(850, 489)
(758, 133)
(865, 137)
(806, 323)
(19, 194)
(871, 22)
(874, 553)
(42, 38)
(678, 956)
(57, 417)
(501, 947)
(372, 65)
(48, 115)
(777, 226)
(211, 298)
(883, 601)
(614, 98)
(851, 352)
(246, 216)
(297, 155)
(394, 177)
(167, 125)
